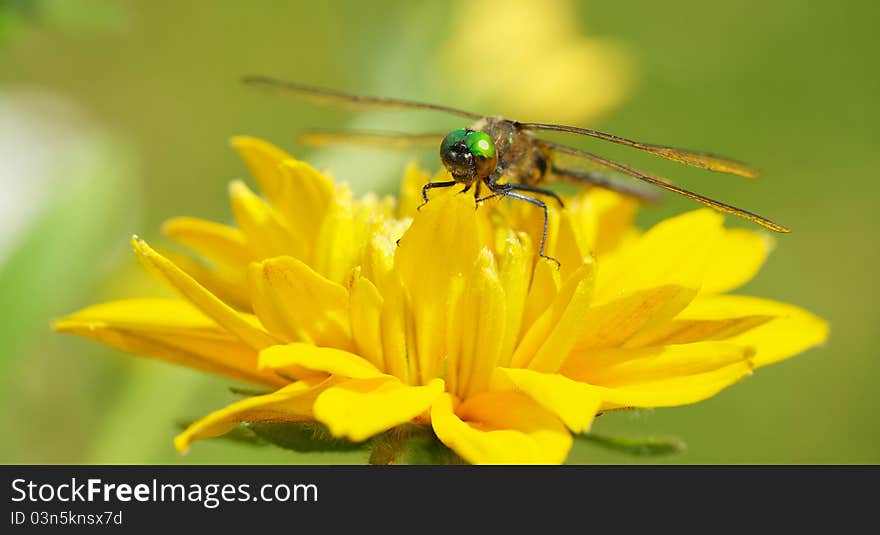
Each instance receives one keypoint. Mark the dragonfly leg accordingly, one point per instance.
(539, 191)
(431, 185)
(536, 202)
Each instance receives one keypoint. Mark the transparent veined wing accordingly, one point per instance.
(705, 160)
(326, 96)
(645, 177)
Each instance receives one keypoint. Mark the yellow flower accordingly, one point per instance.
(459, 326)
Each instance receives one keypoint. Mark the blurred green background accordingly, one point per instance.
(116, 115)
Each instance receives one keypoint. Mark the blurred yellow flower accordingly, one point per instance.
(460, 327)
(538, 49)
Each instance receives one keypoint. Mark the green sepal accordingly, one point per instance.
(248, 392)
(640, 447)
(240, 434)
(302, 437)
(411, 444)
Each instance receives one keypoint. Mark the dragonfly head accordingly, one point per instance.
(468, 155)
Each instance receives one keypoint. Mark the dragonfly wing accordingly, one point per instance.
(705, 160)
(323, 95)
(635, 173)
(370, 138)
(603, 178)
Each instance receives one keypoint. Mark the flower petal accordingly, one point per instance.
(550, 339)
(440, 246)
(662, 376)
(169, 330)
(263, 159)
(542, 291)
(623, 366)
(674, 391)
(575, 403)
(230, 286)
(292, 403)
(299, 193)
(305, 197)
(477, 330)
(224, 245)
(336, 248)
(500, 428)
(361, 408)
(322, 359)
(686, 331)
(738, 256)
(236, 323)
(295, 302)
(365, 316)
(675, 252)
(606, 218)
(514, 271)
(614, 322)
(267, 233)
(791, 331)
(414, 178)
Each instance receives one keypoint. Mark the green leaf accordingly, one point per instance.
(641, 447)
(302, 437)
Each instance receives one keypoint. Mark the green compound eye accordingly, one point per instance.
(480, 144)
(452, 138)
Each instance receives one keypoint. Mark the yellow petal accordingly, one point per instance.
(674, 391)
(661, 377)
(306, 197)
(737, 257)
(605, 217)
(292, 403)
(263, 159)
(221, 244)
(298, 304)
(477, 330)
(323, 359)
(440, 246)
(235, 322)
(542, 291)
(365, 315)
(298, 192)
(394, 324)
(550, 339)
(500, 428)
(686, 331)
(571, 244)
(358, 409)
(336, 248)
(575, 403)
(614, 322)
(675, 252)
(378, 260)
(514, 270)
(414, 178)
(266, 231)
(530, 219)
(172, 331)
(791, 331)
(619, 366)
(229, 285)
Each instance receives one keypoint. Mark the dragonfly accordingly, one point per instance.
(510, 159)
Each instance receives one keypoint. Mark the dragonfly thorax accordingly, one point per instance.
(520, 158)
